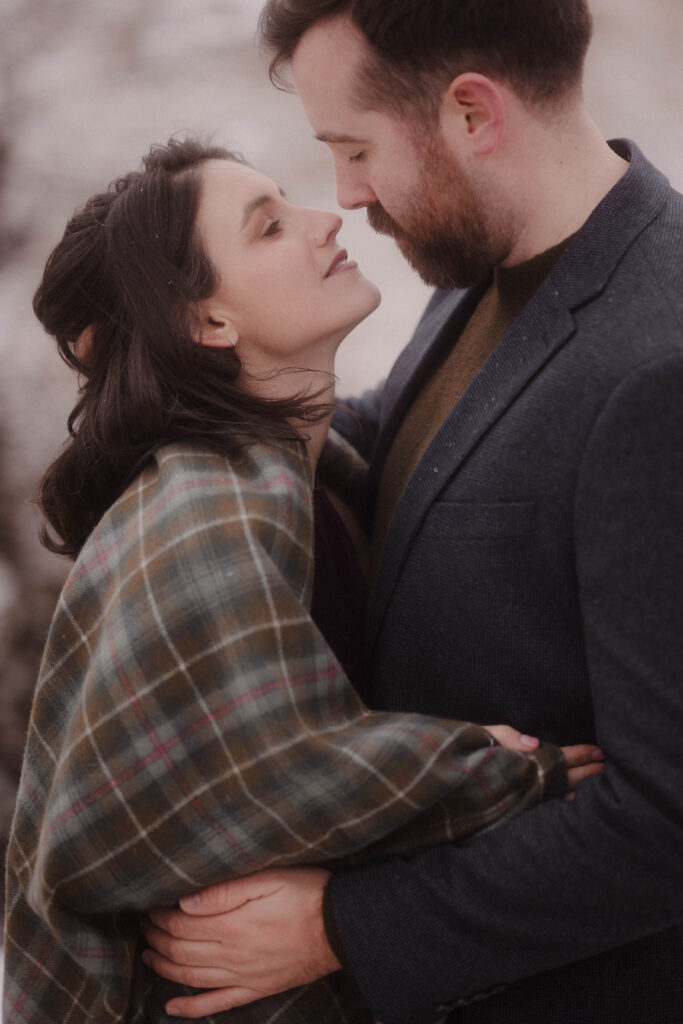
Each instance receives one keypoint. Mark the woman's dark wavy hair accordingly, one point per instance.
(126, 272)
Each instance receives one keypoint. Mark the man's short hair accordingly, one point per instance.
(536, 47)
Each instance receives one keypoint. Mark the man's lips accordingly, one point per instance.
(340, 262)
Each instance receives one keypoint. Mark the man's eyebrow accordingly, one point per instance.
(341, 139)
(255, 204)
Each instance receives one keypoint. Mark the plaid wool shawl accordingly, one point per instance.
(191, 725)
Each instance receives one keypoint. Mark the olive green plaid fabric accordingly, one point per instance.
(191, 725)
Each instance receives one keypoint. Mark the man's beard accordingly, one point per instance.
(444, 233)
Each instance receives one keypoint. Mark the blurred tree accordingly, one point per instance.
(26, 605)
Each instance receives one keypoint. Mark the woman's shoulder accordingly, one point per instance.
(189, 490)
(272, 471)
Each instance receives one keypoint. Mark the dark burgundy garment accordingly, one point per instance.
(339, 603)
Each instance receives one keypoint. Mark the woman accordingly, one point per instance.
(190, 723)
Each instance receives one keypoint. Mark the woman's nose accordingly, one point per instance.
(326, 226)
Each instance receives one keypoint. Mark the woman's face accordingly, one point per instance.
(286, 290)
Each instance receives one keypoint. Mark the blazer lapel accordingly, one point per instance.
(543, 328)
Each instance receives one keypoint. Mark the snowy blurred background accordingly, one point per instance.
(85, 87)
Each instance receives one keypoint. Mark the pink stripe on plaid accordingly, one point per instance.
(190, 485)
(292, 482)
(155, 508)
(34, 799)
(149, 729)
(18, 1004)
(162, 749)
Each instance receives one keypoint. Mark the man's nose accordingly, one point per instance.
(353, 192)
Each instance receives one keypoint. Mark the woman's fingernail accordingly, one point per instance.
(146, 958)
(172, 1011)
(598, 755)
(529, 741)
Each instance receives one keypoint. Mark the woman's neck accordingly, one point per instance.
(317, 385)
(321, 388)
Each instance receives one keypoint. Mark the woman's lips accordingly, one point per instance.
(340, 262)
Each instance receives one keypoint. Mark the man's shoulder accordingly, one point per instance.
(650, 212)
(660, 248)
(623, 273)
(645, 291)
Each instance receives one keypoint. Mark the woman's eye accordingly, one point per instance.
(356, 158)
(272, 227)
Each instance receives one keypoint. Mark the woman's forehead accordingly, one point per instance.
(219, 175)
(228, 192)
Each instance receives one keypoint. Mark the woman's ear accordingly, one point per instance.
(473, 115)
(83, 345)
(213, 328)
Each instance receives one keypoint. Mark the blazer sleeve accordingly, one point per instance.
(451, 922)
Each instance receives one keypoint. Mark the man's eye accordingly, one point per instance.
(272, 227)
(356, 158)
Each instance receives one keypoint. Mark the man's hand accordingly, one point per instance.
(245, 939)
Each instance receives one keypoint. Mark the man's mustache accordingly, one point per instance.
(380, 221)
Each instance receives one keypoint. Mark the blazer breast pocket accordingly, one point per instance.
(483, 521)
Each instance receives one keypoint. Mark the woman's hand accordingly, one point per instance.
(583, 759)
(244, 939)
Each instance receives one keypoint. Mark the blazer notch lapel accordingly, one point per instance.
(543, 328)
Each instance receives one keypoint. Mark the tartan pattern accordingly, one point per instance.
(191, 725)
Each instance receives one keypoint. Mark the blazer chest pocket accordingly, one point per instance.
(474, 520)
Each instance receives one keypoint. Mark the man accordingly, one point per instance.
(526, 501)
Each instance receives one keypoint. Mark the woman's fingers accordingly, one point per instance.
(508, 737)
(582, 754)
(577, 775)
(583, 760)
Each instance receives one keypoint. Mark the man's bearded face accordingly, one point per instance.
(444, 231)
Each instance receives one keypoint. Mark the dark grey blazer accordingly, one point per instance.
(533, 574)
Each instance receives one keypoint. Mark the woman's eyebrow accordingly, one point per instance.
(255, 204)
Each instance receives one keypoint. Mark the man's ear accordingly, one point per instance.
(473, 115)
(212, 327)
